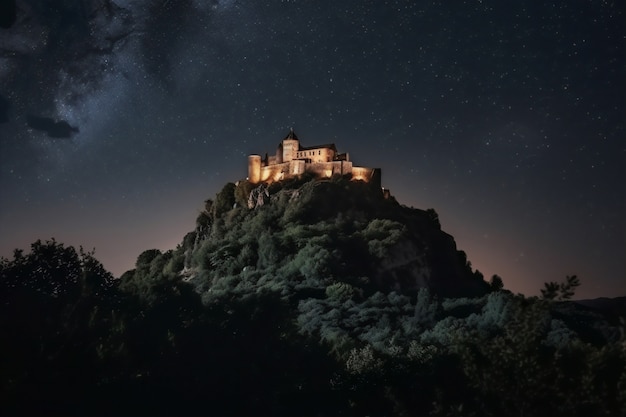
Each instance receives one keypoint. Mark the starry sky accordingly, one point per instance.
(118, 118)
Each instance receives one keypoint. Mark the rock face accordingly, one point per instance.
(304, 235)
(258, 196)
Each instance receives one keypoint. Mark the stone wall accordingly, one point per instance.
(328, 169)
(278, 172)
(257, 172)
(371, 175)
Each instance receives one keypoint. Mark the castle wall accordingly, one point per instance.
(371, 175)
(278, 172)
(328, 169)
(316, 155)
(297, 167)
(342, 167)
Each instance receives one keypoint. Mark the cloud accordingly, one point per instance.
(53, 129)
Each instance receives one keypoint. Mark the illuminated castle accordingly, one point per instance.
(291, 160)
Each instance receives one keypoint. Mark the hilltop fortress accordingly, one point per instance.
(292, 160)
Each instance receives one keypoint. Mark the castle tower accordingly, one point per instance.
(254, 169)
(290, 146)
(279, 153)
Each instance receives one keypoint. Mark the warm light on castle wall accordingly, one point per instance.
(291, 160)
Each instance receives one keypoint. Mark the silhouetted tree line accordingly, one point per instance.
(284, 310)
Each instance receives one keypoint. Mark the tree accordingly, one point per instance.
(56, 308)
(560, 291)
(146, 257)
(224, 200)
(434, 217)
(496, 283)
(426, 308)
(52, 270)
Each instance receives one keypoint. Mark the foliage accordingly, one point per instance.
(55, 313)
(242, 191)
(496, 283)
(295, 308)
(560, 291)
(224, 200)
(434, 217)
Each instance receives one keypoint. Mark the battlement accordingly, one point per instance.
(292, 160)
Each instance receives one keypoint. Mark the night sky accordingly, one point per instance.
(119, 118)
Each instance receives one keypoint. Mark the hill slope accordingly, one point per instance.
(305, 235)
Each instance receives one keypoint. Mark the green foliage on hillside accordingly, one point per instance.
(327, 300)
(313, 234)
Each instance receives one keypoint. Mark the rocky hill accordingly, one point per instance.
(304, 235)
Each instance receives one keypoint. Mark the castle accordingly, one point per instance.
(291, 160)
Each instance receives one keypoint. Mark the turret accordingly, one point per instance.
(254, 169)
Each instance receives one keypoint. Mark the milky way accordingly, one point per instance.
(118, 118)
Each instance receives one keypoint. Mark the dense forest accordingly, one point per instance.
(300, 298)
